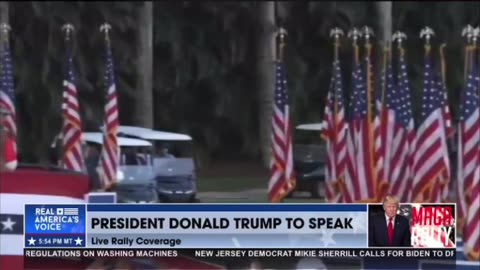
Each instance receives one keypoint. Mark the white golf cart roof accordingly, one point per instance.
(97, 137)
(311, 126)
(150, 134)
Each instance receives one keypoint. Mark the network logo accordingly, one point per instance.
(73, 211)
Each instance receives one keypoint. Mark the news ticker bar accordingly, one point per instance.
(241, 253)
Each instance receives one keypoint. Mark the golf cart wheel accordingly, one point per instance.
(317, 190)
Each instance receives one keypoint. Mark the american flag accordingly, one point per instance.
(460, 192)
(469, 163)
(7, 92)
(282, 179)
(362, 147)
(384, 127)
(448, 132)
(429, 163)
(335, 134)
(406, 121)
(447, 116)
(72, 124)
(110, 155)
(402, 147)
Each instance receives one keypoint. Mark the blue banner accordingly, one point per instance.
(55, 225)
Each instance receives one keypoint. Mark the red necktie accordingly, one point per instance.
(390, 231)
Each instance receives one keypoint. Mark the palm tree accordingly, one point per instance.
(384, 12)
(265, 57)
(143, 115)
(4, 11)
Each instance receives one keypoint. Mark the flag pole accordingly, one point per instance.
(476, 33)
(468, 193)
(68, 29)
(443, 64)
(336, 33)
(467, 32)
(108, 184)
(471, 238)
(105, 28)
(368, 33)
(5, 29)
(475, 37)
(355, 34)
(282, 33)
(386, 60)
(399, 37)
(5, 39)
(427, 33)
(462, 209)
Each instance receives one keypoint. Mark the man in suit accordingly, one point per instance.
(389, 229)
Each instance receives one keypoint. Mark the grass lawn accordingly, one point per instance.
(257, 200)
(230, 184)
(236, 190)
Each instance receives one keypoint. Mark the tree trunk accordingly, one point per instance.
(4, 12)
(384, 12)
(143, 115)
(265, 73)
(384, 37)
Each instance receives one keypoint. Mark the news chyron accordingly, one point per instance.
(205, 231)
(431, 225)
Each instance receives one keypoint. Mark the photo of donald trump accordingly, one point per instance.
(389, 229)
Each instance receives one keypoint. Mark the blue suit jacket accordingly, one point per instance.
(378, 235)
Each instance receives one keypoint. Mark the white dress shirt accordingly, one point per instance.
(387, 218)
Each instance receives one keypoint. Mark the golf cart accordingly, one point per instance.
(309, 152)
(135, 176)
(173, 162)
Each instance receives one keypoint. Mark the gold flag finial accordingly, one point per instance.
(427, 33)
(468, 32)
(399, 37)
(68, 29)
(336, 33)
(367, 33)
(5, 30)
(355, 34)
(475, 35)
(106, 27)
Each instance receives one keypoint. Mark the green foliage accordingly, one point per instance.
(38, 53)
(204, 63)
